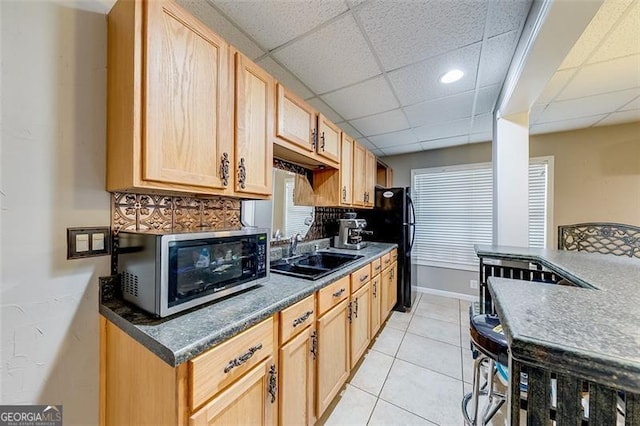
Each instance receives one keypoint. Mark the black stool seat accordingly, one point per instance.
(488, 338)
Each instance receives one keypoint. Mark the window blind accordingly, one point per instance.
(454, 211)
(295, 216)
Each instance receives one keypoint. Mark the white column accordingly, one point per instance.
(510, 151)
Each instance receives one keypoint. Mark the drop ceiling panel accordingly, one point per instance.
(445, 142)
(403, 32)
(555, 85)
(440, 110)
(221, 26)
(536, 112)
(443, 130)
(603, 77)
(480, 137)
(349, 130)
(586, 107)
(386, 122)
(335, 56)
(285, 77)
(561, 126)
(621, 117)
(402, 149)
(624, 39)
(366, 143)
(419, 82)
(506, 15)
(362, 99)
(322, 107)
(482, 123)
(402, 137)
(599, 26)
(272, 23)
(634, 104)
(487, 97)
(496, 57)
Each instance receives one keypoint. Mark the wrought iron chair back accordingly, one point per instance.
(601, 237)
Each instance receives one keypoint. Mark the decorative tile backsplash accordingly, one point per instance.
(142, 212)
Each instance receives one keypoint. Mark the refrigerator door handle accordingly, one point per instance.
(413, 222)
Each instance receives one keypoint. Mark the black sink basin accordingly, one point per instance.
(313, 266)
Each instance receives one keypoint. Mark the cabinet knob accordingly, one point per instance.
(242, 173)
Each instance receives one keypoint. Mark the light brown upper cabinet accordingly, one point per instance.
(302, 137)
(346, 170)
(370, 179)
(328, 139)
(359, 178)
(170, 107)
(255, 103)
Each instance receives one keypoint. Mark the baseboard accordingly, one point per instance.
(445, 293)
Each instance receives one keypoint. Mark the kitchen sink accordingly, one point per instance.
(313, 265)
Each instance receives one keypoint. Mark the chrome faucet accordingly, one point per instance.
(293, 244)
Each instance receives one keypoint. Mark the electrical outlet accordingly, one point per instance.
(473, 283)
(88, 242)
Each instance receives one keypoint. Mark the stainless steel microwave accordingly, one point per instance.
(164, 274)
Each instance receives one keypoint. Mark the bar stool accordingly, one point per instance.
(489, 347)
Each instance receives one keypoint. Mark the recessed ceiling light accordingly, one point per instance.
(451, 76)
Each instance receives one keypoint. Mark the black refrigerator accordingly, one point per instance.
(392, 220)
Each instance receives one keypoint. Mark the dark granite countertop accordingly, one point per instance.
(591, 331)
(181, 337)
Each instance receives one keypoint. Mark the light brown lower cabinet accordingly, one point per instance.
(389, 289)
(376, 298)
(250, 400)
(285, 370)
(359, 316)
(333, 366)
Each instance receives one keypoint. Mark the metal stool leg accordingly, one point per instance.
(495, 400)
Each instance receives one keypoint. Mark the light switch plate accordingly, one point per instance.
(88, 242)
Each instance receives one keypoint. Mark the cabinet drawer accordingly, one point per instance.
(296, 318)
(333, 294)
(219, 367)
(386, 260)
(394, 255)
(376, 267)
(360, 277)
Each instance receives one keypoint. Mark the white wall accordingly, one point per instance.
(52, 177)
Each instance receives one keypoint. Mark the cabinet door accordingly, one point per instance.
(297, 364)
(333, 355)
(389, 290)
(328, 139)
(359, 163)
(346, 170)
(360, 316)
(370, 177)
(296, 121)
(187, 99)
(255, 97)
(249, 400)
(376, 297)
(393, 287)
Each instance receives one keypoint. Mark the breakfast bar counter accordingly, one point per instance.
(589, 331)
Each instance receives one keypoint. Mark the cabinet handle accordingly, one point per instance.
(242, 173)
(350, 311)
(364, 278)
(344, 193)
(273, 382)
(356, 313)
(303, 318)
(236, 362)
(374, 289)
(322, 145)
(377, 268)
(314, 139)
(314, 344)
(224, 168)
(338, 293)
(392, 273)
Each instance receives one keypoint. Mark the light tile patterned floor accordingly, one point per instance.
(416, 371)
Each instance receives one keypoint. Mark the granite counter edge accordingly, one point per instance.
(176, 357)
